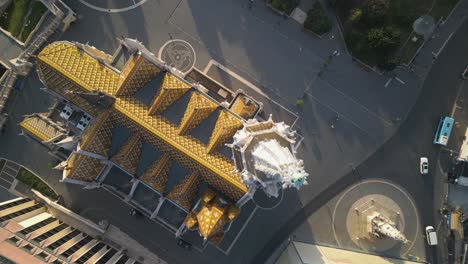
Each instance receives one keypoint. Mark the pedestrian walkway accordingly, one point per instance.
(10, 48)
(8, 174)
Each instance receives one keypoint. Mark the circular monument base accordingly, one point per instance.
(363, 201)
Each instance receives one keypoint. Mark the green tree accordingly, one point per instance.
(375, 10)
(355, 15)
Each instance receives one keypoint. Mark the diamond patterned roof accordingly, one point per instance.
(185, 191)
(57, 70)
(129, 155)
(137, 72)
(83, 168)
(212, 217)
(98, 137)
(226, 126)
(171, 90)
(157, 174)
(39, 126)
(198, 109)
(80, 67)
(244, 109)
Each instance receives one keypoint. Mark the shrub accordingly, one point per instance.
(356, 14)
(383, 38)
(300, 102)
(317, 21)
(375, 10)
(34, 182)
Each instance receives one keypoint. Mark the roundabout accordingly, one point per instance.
(362, 201)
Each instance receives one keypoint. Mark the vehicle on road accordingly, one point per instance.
(67, 111)
(444, 128)
(431, 236)
(184, 244)
(464, 74)
(423, 165)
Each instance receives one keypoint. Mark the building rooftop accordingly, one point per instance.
(67, 68)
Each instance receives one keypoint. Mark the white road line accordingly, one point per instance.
(388, 82)
(240, 232)
(4, 172)
(454, 107)
(208, 66)
(400, 80)
(358, 103)
(3, 179)
(344, 116)
(443, 45)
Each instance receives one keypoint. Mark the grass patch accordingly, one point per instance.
(358, 18)
(38, 10)
(21, 17)
(35, 183)
(285, 6)
(317, 20)
(408, 51)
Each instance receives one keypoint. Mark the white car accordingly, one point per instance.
(67, 111)
(424, 165)
(84, 121)
(431, 236)
(464, 74)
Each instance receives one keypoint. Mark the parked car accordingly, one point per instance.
(464, 74)
(424, 165)
(67, 111)
(184, 244)
(431, 236)
(84, 121)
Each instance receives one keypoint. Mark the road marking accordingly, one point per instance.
(239, 233)
(6, 173)
(400, 80)
(207, 67)
(5, 181)
(357, 103)
(388, 82)
(454, 107)
(443, 46)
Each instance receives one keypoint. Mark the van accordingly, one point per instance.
(431, 236)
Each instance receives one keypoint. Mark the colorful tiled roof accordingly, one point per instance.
(39, 126)
(214, 168)
(83, 168)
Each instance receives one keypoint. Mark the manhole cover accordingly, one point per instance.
(179, 54)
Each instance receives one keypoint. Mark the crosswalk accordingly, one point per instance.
(8, 174)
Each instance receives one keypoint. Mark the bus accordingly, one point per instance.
(443, 130)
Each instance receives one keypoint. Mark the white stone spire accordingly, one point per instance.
(264, 154)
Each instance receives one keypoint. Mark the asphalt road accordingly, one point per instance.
(398, 159)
